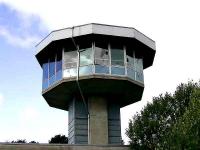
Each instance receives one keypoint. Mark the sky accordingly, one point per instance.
(173, 24)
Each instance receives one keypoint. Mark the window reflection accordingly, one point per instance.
(86, 61)
(86, 57)
(101, 60)
(117, 57)
(59, 66)
(98, 60)
(45, 68)
(85, 70)
(70, 63)
(117, 62)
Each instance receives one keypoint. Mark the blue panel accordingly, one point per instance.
(85, 70)
(139, 76)
(101, 69)
(131, 73)
(52, 80)
(45, 76)
(58, 65)
(45, 84)
(45, 71)
(51, 69)
(59, 75)
(118, 70)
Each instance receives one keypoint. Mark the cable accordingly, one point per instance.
(77, 77)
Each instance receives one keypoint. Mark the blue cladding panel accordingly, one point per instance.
(51, 69)
(139, 76)
(58, 65)
(86, 70)
(52, 79)
(59, 75)
(131, 73)
(45, 68)
(101, 69)
(45, 84)
(118, 70)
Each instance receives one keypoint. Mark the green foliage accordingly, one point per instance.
(185, 134)
(59, 139)
(150, 128)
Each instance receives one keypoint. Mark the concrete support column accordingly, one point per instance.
(98, 121)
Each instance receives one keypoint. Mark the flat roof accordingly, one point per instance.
(94, 28)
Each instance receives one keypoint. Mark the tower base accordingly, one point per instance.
(61, 147)
(96, 122)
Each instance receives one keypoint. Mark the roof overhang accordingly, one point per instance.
(145, 44)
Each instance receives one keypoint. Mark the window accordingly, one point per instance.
(117, 57)
(139, 69)
(52, 70)
(86, 61)
(86, 57)
(70, 59)
(45, 68)
(101, 60)
(59, 66)
(117, 62)
(130, 67)
(70, 63)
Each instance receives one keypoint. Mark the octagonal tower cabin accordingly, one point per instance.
(92, 71)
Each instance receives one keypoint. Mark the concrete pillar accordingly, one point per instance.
(98, 121)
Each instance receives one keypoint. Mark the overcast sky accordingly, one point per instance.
(24, 114)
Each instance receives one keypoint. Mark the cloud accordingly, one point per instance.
(17, 40)
(19, 28)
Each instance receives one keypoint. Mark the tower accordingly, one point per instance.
(92, 71)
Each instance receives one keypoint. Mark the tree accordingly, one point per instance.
(149, 128)
(185, 134)
(60, 139)
(33, 142)
(19, 141)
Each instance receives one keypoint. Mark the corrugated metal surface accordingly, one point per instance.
(78, 123)
(114, 125)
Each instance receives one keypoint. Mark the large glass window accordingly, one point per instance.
(59, 66)
(130, 67)
(139, 69)
(117, 61)
(117, 57)
(86, 57)
(86, 61)
(52, 70)
(45, 68)
(101, 56)
(70, 63)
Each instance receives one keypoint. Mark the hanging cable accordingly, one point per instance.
(77, 77)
